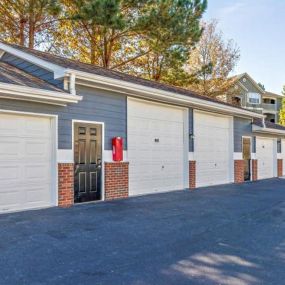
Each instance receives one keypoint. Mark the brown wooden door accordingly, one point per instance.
(87, 157)
(246, 153)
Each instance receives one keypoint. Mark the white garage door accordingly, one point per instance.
(266, 157)
(213, 149)
(155, 147)
(25, 162)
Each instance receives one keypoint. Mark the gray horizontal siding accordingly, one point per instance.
(32, 69)
(242, 127)
(95, 106)
(191, 128)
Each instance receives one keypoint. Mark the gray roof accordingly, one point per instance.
(269, 125)
(93, 69)
(12, 75)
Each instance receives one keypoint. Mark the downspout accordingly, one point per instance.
(72, 88)
(263, 122)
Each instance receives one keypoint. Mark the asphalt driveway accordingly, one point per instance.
(233, 234)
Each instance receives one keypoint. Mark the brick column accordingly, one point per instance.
(192, 174)
(65, 184)
(279, 167)
(239, 171)
(116, 180)
(254, 169)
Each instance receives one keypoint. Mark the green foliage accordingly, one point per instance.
(282, 110)
(149, 38)
(105, 13)
(27, 22)
(261, 86)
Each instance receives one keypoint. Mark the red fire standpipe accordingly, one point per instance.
(117, 144)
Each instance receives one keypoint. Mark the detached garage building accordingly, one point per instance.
(58, 118)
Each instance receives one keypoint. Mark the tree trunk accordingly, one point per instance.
(92, 35)
(92, 52)
(22, 32)
(31, 24)
(31, 35)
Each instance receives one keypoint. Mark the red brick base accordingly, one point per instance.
(192, 174)
(254, 169)
(239, 171)
(65, 184)
(116, 180)
(279, 167)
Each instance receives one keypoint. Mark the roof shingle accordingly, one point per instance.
(12, 75)
(93, 69)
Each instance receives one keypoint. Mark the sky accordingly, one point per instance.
(258, 28)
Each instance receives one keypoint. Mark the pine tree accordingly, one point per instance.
(282, 110)
(25, 21)
(149, 38)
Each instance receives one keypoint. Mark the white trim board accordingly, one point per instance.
(237, 156)
(125, 87)
(65, 156)
(261, 130)
(145, 92)
(108, 156)
(24, 93)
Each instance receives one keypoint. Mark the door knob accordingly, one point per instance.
(76, 169)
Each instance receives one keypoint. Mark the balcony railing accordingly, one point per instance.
(269, 107)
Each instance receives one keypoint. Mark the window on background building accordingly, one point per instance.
(253, 98)
(236, 101)
(268, 101)
(279, 146)
(270, 118)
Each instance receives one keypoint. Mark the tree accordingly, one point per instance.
(139, 37)
(282, 110)
(170, 29)
(261, 86)
(212, 61)
(25, 21)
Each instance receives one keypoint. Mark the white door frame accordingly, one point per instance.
(185, 133)
(103, 150)
(274, 154)
(54, 138)
(231, 148)
(251, 146)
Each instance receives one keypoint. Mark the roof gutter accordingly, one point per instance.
(264, 130)
(121, 86)
(138, 90)
(17, 92)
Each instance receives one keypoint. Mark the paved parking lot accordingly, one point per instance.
(232, 234)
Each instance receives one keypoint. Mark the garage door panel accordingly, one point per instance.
(9, 200)
(9, 148)
(155, 147)
(9, 174)
(212, 149)
(37, 194)
(25, 162)
(265, 157)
